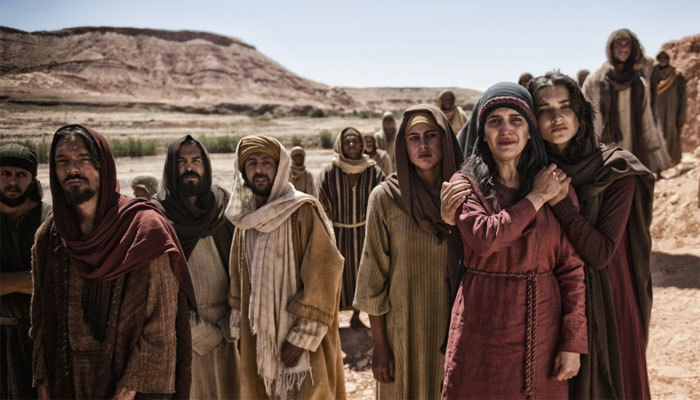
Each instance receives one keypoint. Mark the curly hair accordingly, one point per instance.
(584, 141)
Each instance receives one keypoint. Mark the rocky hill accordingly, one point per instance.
(181, 71)
(685, 56)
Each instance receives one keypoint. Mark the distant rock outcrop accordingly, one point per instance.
(98, 64)
(685, 56)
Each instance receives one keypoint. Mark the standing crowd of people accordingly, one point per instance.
(502, 255)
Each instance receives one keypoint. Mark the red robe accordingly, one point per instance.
(500, 345)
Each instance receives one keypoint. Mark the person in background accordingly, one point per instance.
(21, 213)
(196, 208)
(447, 102)
(285, 281)
(144, 186)
(386, 136)
(671, 105)
(302, 179)
(622, 103)
(112, 291)
(610, 230)
(581, 76)
(378, 155)
(525, 79)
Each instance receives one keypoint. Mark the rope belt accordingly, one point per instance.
(355, 225)
(530, 320)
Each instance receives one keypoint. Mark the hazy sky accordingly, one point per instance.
(393, 43)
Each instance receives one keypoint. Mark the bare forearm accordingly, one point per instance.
(377, 325)
(15, 282)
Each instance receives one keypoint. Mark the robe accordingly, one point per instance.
(15, 345)
(214, 354)
(317, 264)
(304, 183)
(383, 160)
(520, 302)
(403, 276)
(671, 106)
(346, 206)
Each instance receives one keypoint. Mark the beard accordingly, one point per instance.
(76, 196)
(14, 202)
(264, 192)
(189, 188)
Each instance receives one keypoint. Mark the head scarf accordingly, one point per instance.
(343, 162)
(668, 74)
(455, 114)
(127, 234)
(147, 182)
(16, 155)
(272, 266)
(405, 187)
(616, 81)
(257, 144)
(298, 171)
(193, 221)
(388, 115)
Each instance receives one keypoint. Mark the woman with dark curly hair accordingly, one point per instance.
(518, 322)
(610, 232)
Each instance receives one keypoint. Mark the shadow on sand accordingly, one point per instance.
(678, 270)
(357, 346)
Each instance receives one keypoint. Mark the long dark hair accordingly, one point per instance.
(584, 140)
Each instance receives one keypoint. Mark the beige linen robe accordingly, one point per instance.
(319, 267)
(403, 276)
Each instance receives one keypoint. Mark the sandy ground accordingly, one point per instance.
(673, 353)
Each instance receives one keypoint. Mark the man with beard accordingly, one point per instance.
(21, 213)
(344, 188)
(301, 177)
(196, 209)
(385, 137)
(285, 281)
(447, 103)
(111, 285)
(671, 105)
(622, 103)
(378, 155)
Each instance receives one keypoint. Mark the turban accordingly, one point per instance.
(15, 155)
(257, 144)
(421, 118)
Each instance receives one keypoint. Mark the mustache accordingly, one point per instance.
(190, 174)
(260, 176)
(75, 176)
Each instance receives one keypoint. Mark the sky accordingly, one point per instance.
(396, 43)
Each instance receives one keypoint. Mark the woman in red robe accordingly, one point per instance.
(518, 323)
(610, 232)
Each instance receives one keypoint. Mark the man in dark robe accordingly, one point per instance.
(343, 189)
(671, 105)
(21, 213)
(196, 208)
(111, 286)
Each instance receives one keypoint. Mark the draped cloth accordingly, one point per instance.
(668, 76)
(273, 270)
(455, 115)
(205, 217)
(127, 235)
(600, 168)
(343, 162)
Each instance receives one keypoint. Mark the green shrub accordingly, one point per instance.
(220, 144)
(132, 147)
(40, 147)
(327, 139)
(316, 113)
(296, 140)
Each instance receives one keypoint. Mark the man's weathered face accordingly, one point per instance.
(622, 48)
(76, 170)
(369, 144)
(190, 167)
(352, 147)
(447, 101)
(298, 159)
(389, 125)
(14, 185)
(663, 61)
(260, 171)
(140, 192)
